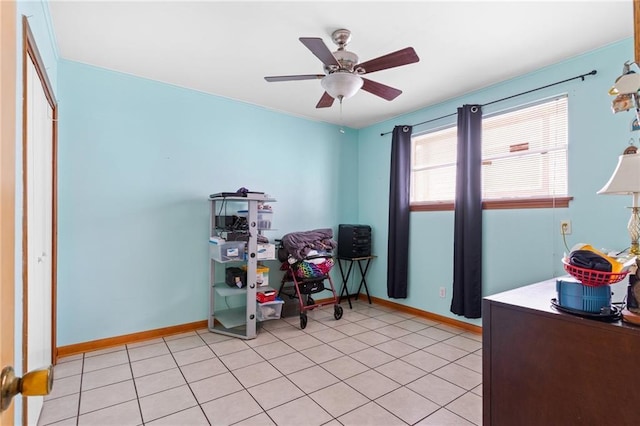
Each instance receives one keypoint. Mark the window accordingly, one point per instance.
(524, 159)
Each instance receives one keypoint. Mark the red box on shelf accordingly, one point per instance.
(266, 296)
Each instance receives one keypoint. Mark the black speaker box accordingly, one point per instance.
(354, 240)
(235, 277)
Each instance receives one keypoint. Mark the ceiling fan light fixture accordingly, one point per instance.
(342, 85)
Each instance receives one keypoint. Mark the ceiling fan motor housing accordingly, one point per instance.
(346, 59)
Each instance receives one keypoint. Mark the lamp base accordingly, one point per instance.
(634, 228)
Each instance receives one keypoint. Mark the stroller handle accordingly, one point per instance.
(318, 256)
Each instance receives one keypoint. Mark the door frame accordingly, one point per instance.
(8, 64)
(30, 53)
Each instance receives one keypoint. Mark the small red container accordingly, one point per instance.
(266, 296)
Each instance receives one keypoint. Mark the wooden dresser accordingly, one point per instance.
(544, 367)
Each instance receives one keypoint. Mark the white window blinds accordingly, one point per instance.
(524, 155)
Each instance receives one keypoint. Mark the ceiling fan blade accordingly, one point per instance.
(401, 57)
(379, 89)
(295, 77)
(318, 48)
(325, 101)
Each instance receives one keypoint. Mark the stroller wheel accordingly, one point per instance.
(310, 301)
(337, 311)
(303, 321)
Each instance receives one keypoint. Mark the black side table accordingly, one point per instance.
(363, 274)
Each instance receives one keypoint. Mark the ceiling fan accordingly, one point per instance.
(343, 74)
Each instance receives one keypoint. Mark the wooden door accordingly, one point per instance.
(7, 188)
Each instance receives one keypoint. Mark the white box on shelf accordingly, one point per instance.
(269, 310)
(226, 251)
(266, 251)
(262, 275)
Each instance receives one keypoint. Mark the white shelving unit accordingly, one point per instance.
(237, 316)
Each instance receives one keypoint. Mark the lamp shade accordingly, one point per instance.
(342, 85)
(626, 177)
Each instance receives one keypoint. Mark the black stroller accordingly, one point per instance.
(307, 261)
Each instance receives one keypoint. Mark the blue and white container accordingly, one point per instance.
(572, 294)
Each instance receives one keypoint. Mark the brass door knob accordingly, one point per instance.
(34, 383)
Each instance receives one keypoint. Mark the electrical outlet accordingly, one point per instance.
(565, 227)
(443, 292)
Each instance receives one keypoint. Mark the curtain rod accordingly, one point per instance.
(582, 76)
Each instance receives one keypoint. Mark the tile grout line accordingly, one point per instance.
(244, 388)
(399, 384)
(187, 382)
(457, 398)
(316, 364)
(369, 400)
(80, 390)
(135, 386)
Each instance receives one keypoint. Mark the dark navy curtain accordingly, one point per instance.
(398, 246)
(467, 242)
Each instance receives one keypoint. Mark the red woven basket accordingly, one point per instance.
(592, 277)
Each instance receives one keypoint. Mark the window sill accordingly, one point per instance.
(522, 203)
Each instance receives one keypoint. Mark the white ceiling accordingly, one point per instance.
(227, 47)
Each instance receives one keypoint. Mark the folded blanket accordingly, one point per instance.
(299, 244)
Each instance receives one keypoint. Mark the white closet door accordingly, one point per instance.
(39, 230)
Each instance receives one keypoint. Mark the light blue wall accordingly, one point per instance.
(37, 13)
(520, 246)
(138, 158)
(39, 20)
(137, 161)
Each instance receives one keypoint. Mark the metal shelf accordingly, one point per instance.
(222, 289)
(264, 199)
(233, 317)
(239, 321)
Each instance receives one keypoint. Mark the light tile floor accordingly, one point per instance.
(374, 366)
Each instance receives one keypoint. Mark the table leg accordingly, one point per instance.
(363, 280)
(345, 280)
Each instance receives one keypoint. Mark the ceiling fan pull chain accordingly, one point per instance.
(341, 120)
